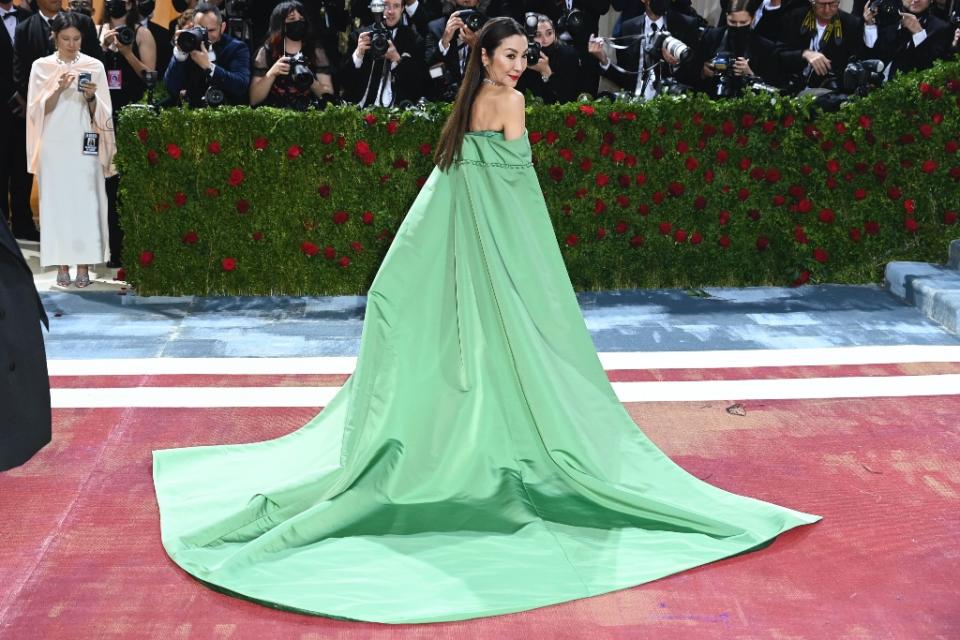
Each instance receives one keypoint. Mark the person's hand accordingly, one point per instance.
(543, 65)
(392, 55)
(956, 40)
(453, 24)
(109, 39)
(280, 68)
(201, 57)
(65, 80)
(819, 62)
(595, 47)
(668, 57)
(363, 45)
(89, 90)
(741, 67)
(910, 22)
(468, 36)
(707, 71)
(870, 14)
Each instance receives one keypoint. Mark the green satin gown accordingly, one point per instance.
(476, 463)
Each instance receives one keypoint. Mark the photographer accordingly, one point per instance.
(905, 41)
(215, 67)
(161, 36)
(554, 77)
(128, 51)
(386, 67)
(416, 13)
(574, 21)
(818, 43)
(648, 59)
(447, 47)
(283, 69)
(733, 55)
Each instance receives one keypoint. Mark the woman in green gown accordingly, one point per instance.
(477, 462)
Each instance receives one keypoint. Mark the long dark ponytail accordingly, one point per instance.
(491, 35)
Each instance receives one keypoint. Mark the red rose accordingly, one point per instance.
(691, 163)
(294, 151)
(361, 148)
(800, 235)
(368, 158)
(762, 243)
(925, 130)
(180, 198)
(599, 206)
(242, 206)
(696, 238)
(340, 217)
(602, 179)
(854, 234)
(121, 275)
(614, 117)
(580, 193)
(773, 176)
(146, 258)
(929, 166)
(954, 173)
(587, 110)
(871, 227)
(623, 201)
(152, 157)
(865, 122)
(641, 179)
(619, 156)
(422, 180)
(143, 134)
(566, 154)
(700, 203)
(174, 151)
(680, 236)
(637, 241)
(367, 217)
(552, 136)
(859, 193)
(329, 252)
(534, 137)
(949, 217)
(356, 246)
(804, 206)
(644, 137)
(659, 197)
(894, 193)
(257, 236)
(779, 200)
(724, 217)
(909, 206)
(951, 146)
(833, 165)
(743, 193)
(747, 121)
(570, 121)
(309, 249)
(850, 146)
(228, 264)
(757, 173)
(820, 255)
(260, 144)
(724, 241)
(722, 156)
(214, 147)
(601, 233)
(344, 261)
(665, 228)
(212, 192)
(400, 163)
(744, 164)
(623, 180)
(727, 128)
(753, 214)
(831, 182)
(676, 189)
(769, 126)
(236, 177)
(827, 216)
(572, 240)
(621, 227)
(556, 173)
(656, 153)
(586, 165)
(788, 121)
(643, 209)
(326, 138)
(806, 169)
(911, 225)
(802, 279)
(370, 119)
(840, 128)
(392, 127)
(190, 238)
(324, 190)
(708, 176)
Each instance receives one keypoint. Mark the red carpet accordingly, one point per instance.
(80, 555)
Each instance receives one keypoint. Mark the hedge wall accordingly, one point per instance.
(678, 192)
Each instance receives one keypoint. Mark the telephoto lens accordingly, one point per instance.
(125, 35)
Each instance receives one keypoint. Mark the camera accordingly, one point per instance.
(300, 74)
(213, 96)
(860, 77)
(473, 19)
(379, 40)
(531, 20)
(190, 39)
(572, 21)
(888, 12)
(675, 47)
(125, 35)
(727, 84)
(446, 86)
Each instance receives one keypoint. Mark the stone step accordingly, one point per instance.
(934, 289)
(953, 260)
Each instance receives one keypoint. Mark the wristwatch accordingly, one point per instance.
(545, 77)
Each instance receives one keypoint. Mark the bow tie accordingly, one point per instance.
(9, 14)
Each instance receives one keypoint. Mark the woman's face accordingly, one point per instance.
(546, 36)
(508, 61)
(293, 16)
(68, 42)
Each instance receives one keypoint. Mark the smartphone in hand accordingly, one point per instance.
(83, 78)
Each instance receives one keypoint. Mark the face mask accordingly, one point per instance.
(658, 7)
(146, 7)
(295, 30)
(117, 9)
(737, 37)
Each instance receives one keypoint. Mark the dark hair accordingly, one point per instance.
(495, 31)
(208, 7)
(65, 20)
(750, 6)
(275, 34)
(132, 16)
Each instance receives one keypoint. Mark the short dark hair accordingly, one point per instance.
(208, 7)
(66, 19)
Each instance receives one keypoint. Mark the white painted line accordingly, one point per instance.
(687, 391)
(611, 360)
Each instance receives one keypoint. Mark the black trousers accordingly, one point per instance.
(15, 182)
(113, 218)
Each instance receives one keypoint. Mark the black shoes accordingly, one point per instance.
(28, 233)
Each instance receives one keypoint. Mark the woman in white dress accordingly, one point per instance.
(70, 148)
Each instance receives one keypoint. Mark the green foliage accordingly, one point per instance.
(261, 201)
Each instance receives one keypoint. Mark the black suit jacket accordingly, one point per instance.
(407, 79)
(839, 53)
(680, 26)
(34, 41)
(895, 45)
(564, 83)
(431, 49)
(771, 23)
(592, 10)
(760, 52)
(7, 86)
(24, 384)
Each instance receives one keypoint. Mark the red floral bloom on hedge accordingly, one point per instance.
(552, 136)
(400, 163)
(833, 165)
(601, 233)
(619, 156)
(637, 241)
(326, 138)
(586, 165)
(911, 225)
(700, 202)
(724, 217)
(724, 241)
(659, 197)
(344, 261)
(370, 119)
(179, 198)
(152, 157)
(190, 237)
(534, 137)
(676, 189)
(236, 177)
(665, 228)
(146, 258)
(309, 249)
(556, 173)
(696, 238)
(859, 193)
(826, 216)
(392, 127)
(570, 121)
(586, 110)
(340, 217)
(212, 192)
(329, 253)
(762, 243)
(929, 166)
(623, 180)
(602, 179)
(949, 217)
(820, 255)
(871, 227)
(599, 206)
(356, 246)
(425, 149)
(572, 240)
(773, 176)
(894, 193)
(802, 279)
(743, 193)
(951, 146)
(854, 234)
(753, 214)
(174, 151)
(260, 143)
(722, 156)
(691, 163)
(778, 200)
(143, 134)
(623, 201)
(294, 151)
(644, 137)
(800, 235)
(680, 236)
(229, 264)
(367, 217)
(161, 206)
(214, 147)
(621, 227)
(257, 236)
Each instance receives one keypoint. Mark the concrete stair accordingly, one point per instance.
(934, 289)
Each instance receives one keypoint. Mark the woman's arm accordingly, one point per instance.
(262, 82)
(513, 114)
(65, 81)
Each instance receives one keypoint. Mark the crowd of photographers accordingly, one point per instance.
(297, 54)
